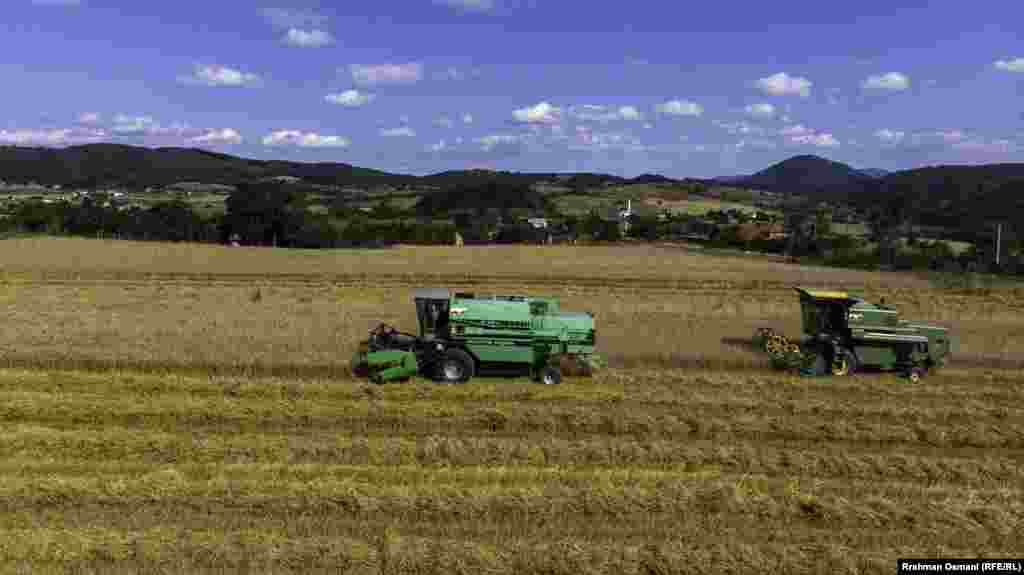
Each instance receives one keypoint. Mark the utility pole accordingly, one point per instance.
(999, 238)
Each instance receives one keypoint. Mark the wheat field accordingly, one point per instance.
(180, 409)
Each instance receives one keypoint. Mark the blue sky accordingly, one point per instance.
(420, 86)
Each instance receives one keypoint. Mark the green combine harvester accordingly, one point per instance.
(462, 334)
(844, 333)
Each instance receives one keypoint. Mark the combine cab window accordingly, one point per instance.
(433, 316)
(538, 308)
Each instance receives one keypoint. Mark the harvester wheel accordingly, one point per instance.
(456, 366)
(915, 374)
(549, 375)
(844, 363)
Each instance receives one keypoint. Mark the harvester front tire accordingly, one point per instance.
(456, 366)
(844, 363)
(915, 374)
(549, 375)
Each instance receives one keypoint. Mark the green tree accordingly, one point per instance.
(266, 213)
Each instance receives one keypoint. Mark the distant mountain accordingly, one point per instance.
(730, 179)
(805, 174)
(875, 172)
(653, 179)
(95, 165)
(113, 164)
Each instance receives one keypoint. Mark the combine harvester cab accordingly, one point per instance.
(843, 333)
(463, 334)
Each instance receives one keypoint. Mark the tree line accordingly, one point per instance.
(258, 214)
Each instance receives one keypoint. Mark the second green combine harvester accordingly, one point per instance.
(844, 332)
(462, 334)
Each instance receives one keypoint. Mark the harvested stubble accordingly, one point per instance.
(632, 472)
(169, 420)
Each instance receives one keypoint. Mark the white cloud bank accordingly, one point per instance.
(680, 108)
(1015, 65)
(542, 113)
(890, 136)
(311, 39)
(350, 98)
(782, 84)
(763, 110)
(373, 74)
(892, 81)
(223, 136)
(468, 5)
(304, 140)
(215, 76)
(801, 135)
(593, 113)
(403, 132)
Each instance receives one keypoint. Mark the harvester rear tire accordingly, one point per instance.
(456, 366)
(549, 375)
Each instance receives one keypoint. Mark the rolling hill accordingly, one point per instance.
(805, 174)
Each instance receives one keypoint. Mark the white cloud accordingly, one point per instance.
(212, 75)
(1015, 65)
(22, 137)
(1001, 146)
(493, 140)
(630, 113)
(680, 108)
(89, 118)
(350, 98)
(133, 124)
(737, 128)
(405, 132)
(801, 135)
(952, 136)
(467, 118)
(890, 136)
(893, 81)
(224, 136)
(444, 122)
(311, 39)
(542, 113)
(468, 5)
(287, 18)
(783, 84)
(368, 75)
(439, 147)
(820, 140)
(304, 140)
(762, 110)
(593, 113)
(648, 126)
